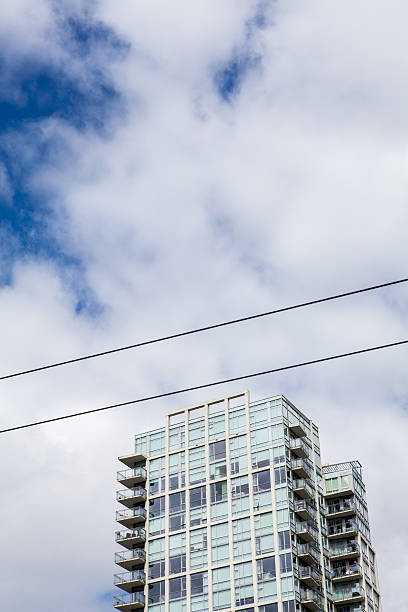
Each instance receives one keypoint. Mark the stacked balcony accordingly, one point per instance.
(349, 550)
(306, 530)
(133, 537)
(342, 529)
(308, 553)
(305, 510)
(310, 576)
(299, 448)
(341, 508)
(344, 573)
(349, 595)
(311, 600)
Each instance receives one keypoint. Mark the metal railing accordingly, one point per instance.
(129, 493)
(127, 555)
(137, 472)
(135, 576)
(129, 599)
(130, 533)
(130, 513)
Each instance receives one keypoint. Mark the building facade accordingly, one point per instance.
(229, 508)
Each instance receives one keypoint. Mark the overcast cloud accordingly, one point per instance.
(165, 165)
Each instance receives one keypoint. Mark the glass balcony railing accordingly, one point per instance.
(308, 550)
(349, 549)
(301, 468)
(297, 428)
(348, 594)
(136, 555)
(344, 506)
(135, 535)
(306, 530)
(310, 573)
(130, 494)
(129, 577)
(342, 529)
(299, 447)
(134, 475)
(346, 572)
(132, 515)
(311, 596)
(305, 509)
(130, 598)
(302, 488)
(350, 609)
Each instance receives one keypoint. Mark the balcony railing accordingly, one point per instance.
(302, 488)
(129, 478)
(125, 602)
(310, 574)
(298, 429)
(342, 529)
(130, 537)
(308, 552)
(346, 572)
(355, 593)
(345, 506)
(350, 609)
(131, 460)
(131, 496)
(348, 550)
(306, 530)
(301, 468)
(128, 580)
(130, 517)
(128, 558)
(311, 599)
(305, 510)
(299, 447)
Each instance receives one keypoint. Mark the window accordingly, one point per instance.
(177, 548)
(237, 420)
(157, 475)
(176, 437)
(177, 470)
(331, 484)
(156, 569)
(238, 454)
(196, 431)
(198, 497)
(156, 592)
(218, 491)
(198, 548)
(266, 573)
(281, 497)
(219, 543)
(197, 465)
(264, 541)
(216, 426)
(177, 506)
(240, 494)
(199, 590)
(284, 540)
(157, 506)
(217, 450)
(270, 608)
(285, 563)
(289, 606)
(280, 475)
(262, 481)
(283, 518)
(141, 445)
(221, 588)
(243, 581)
(157, 443)
(177, 587)
(241, 530)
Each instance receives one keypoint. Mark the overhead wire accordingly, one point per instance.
(200, 329)
(202, 386)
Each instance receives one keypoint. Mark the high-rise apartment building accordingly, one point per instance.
(229, 508)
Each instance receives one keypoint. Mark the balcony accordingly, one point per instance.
(340, 509)
(308, 553)
(130, 497)
(128, 559)
(302, 488)
(341, 574)
(299, 448)
(310, 576)
(346, 491)
(131, 537)
(348, 551)
(350, 609)
(301, 468)
(132, 477)
(130, 602)
(306, 531)
(311, 599)
(346, 529)
(132, 517)
(298, 429)
(130, 580)
(131, 460)
(305, 510)
(347, 595)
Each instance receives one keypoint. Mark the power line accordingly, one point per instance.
(200, 329)
(203, 386)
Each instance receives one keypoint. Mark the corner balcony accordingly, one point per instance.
(344, 530)
(130, 497)
(130, 580)
(348, 551)
(308, 553)
(131, 460)
(132, 477)
(299, 448)
(128, 559)
(297, 428)
(344, 492)
(351, 609)
(301, 468)
(302, 488)
(311, 600)
(343, 574)
(130, 602)
(130, 518)
(342, 508)
(306, 531)
(131, 537)
(305, 510)
(345, 596)
(310, 576)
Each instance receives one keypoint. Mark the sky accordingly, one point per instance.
(170, 165)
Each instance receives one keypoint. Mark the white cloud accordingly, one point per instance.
(195, 210)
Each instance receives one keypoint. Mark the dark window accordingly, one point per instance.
(266, 568)
(197, 583)
(156, 569)
(177, 564)
(177, 502)
(198, 497)
(157, 506)
(218, 491)
(280, 475)
(217, 450)
(262, 481)
(177, 587)
(284, 540)
(156, 592)
(177, 521)
(289, 606)
(286, 563)
(269, 608)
